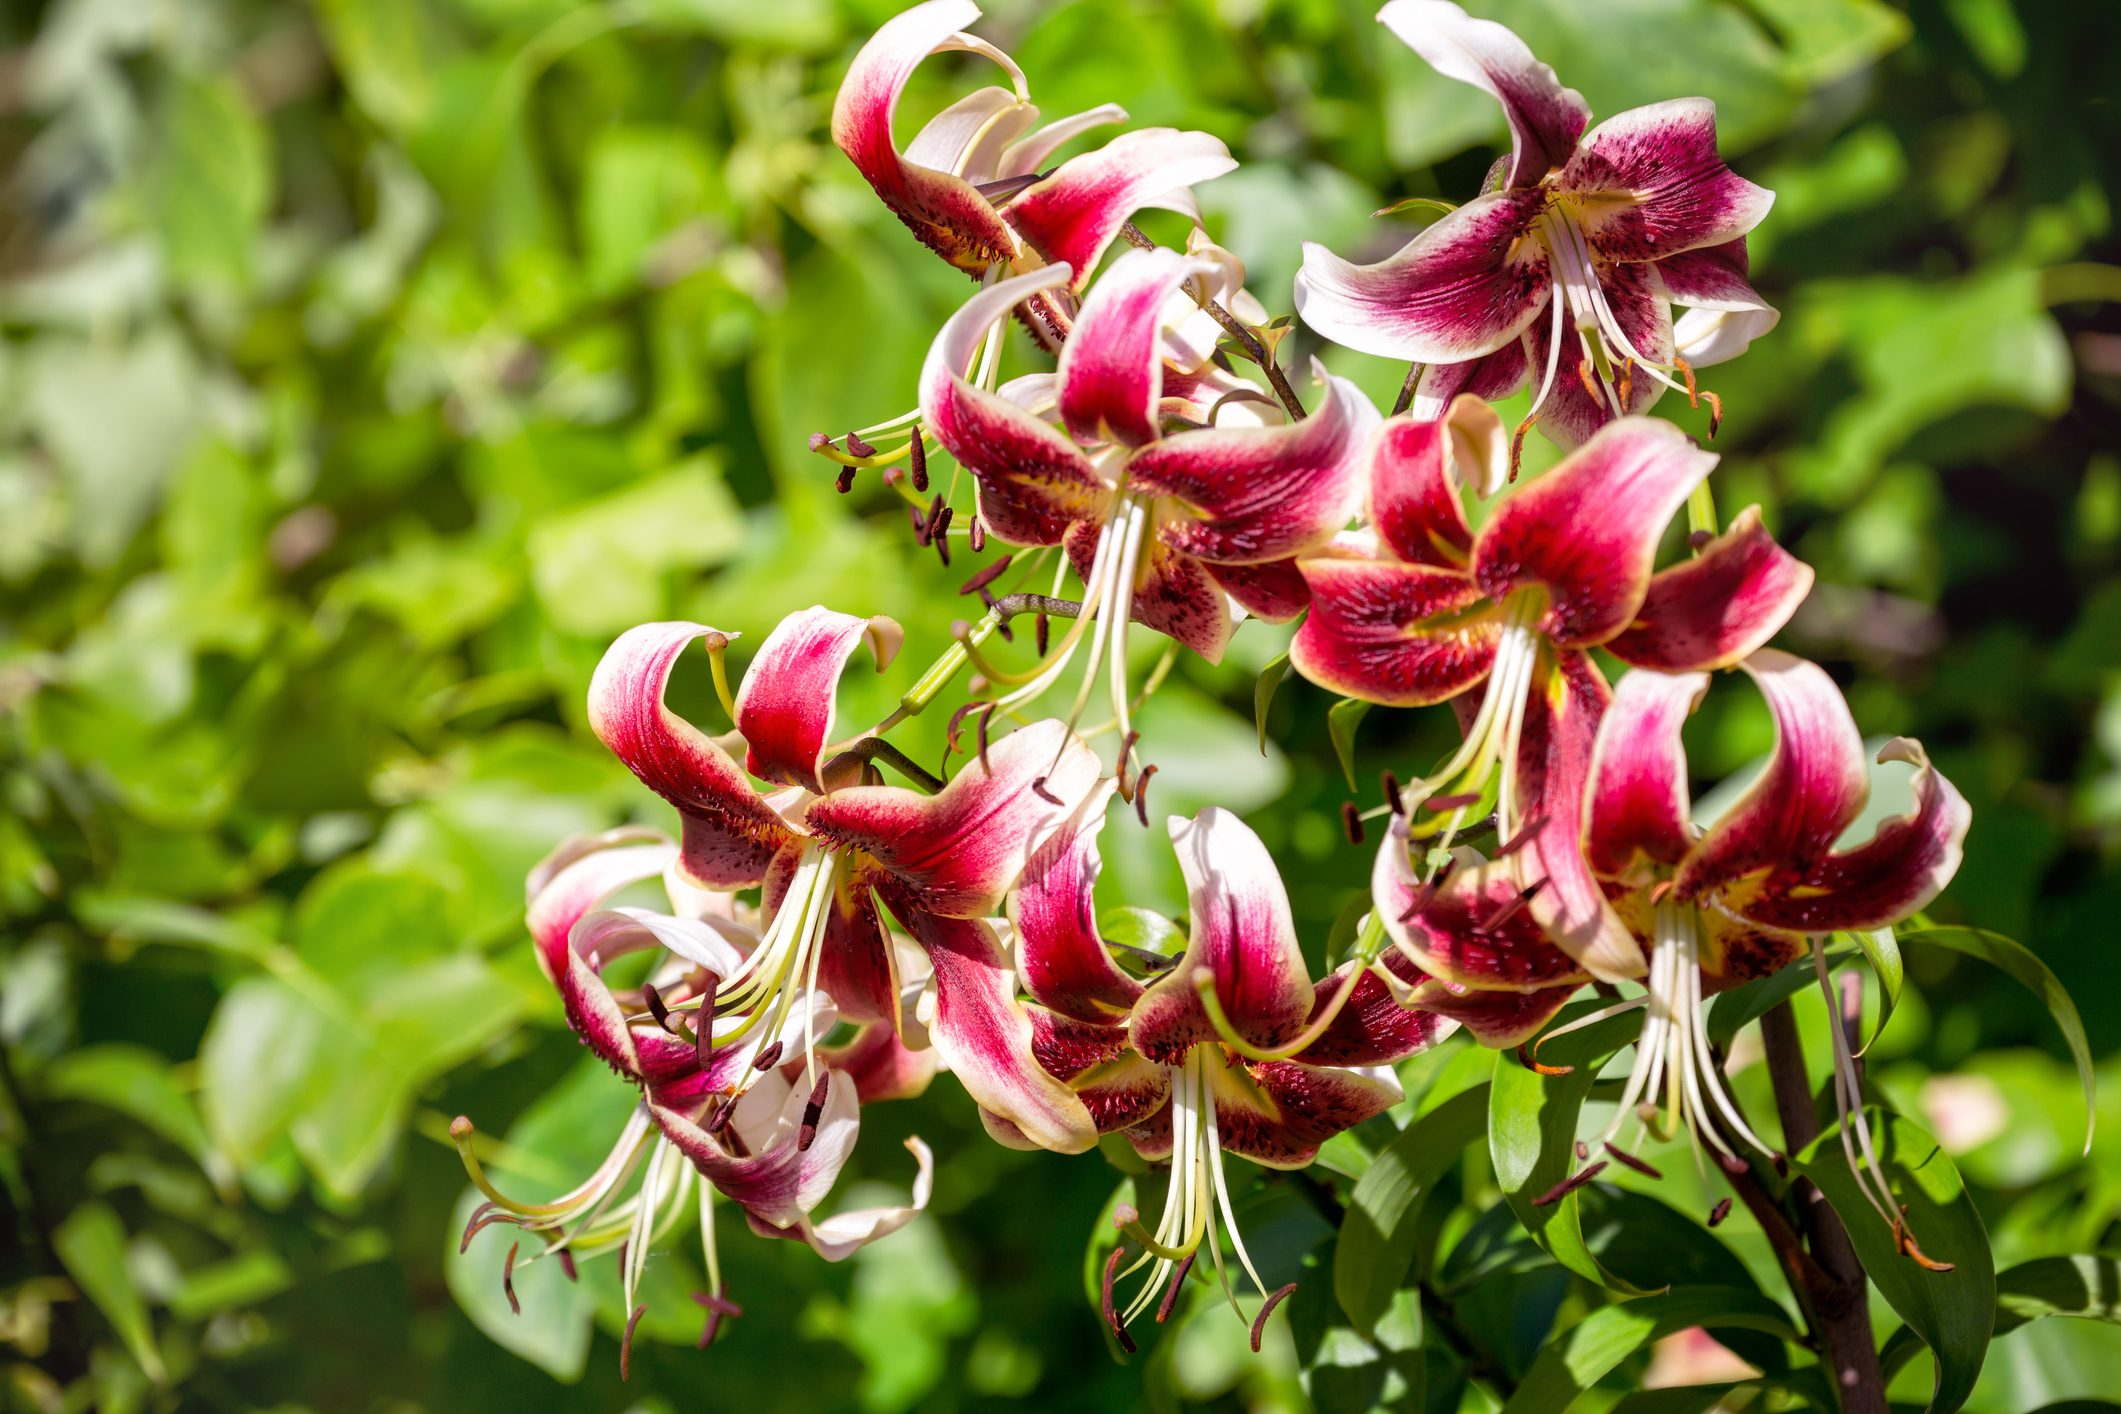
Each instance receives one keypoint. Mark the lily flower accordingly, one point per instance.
(829, 848)
(969, 186)
(1715, 907)
(1164, 526)
(720, 1111)
(1564, 269)
(1231, 1050)
(1421, 610)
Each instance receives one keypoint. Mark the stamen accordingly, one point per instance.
(717, 1307)
(1038, 788)
(1718, 1213)
(1569, 1185)
(1583, 1151)
(767, 1059)
(976, 534)
(1523, 837)
(626, 1342)
(508, 1280)
(919, 523)
(1392, 795)
(1178, 1279)
(1351, 821)
(1452, 802)
(703, 1034)
(857, 446)
(1509, 910)
(1141, 795)
(940, 535)
(813, 1111)
(917, 453)
(986, 576)
(1259, 1322)
(656, 1008)
(1041, 632)
(567, 1265)
(1530, 1061)
(845, 481)
(1112, 1320)
(1629, 1160)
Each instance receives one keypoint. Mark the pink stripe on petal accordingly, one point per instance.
(785, 706)
(1278, 1113)
(881, 1065)
(1262, 494)
(1469, 931)
(1071, 216)
(1639, 804)
(1400, 635)
(1498, 1020)
(1054, 911)
(1066, 1046)
(1111, 371)
(1033, 481)
(729, 833)
(1815, 783)
(1587, 531)
(959, 852)
(1545, 118)
(1123, 1092)
(1491, 378)
(1274, 591)
(1648, 183)
(984, 1035)
(1465, 287)
(1241, 935)
(858, 967)
(1713, 277)
(1372, 1028)
(1417, 471)
(1714, 609)
(1173, 593)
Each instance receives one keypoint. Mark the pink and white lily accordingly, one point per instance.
(1231, 1050)
(1421, 610)
(1564, 270)
(1167, 518)
(969, 185)
(832, 846)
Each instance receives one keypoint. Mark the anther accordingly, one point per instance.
(987, 574)
(1569, 1185)
(1259, 1322)
(1627, 383)
(986, 720)
(1693, 391)
(508, 1280)
(1392, 795)
(1522, 838)
(1628, 1160)
(1715, 413)
(1718, 1213)
(1452, 802)
(1588, 376)
(717, 1306)
(1178, 1279)
(1112, 1320)
(1904, 1239)
(1732, 1164)
(1509, 910)
(1530, 1062)
(567, 1265)
(919, 523)
(845, 483)
(1041, 628)
(1583, 1151)
(819, 442)
(1351, 821)
(976, 534)
(1700, 539)
(626, 1343)
(1141, 795)
(932, 519)
(703, 1032)
(1119, 769)
(768, 1058)
(656, 1008)
(941, 535)
(718, 1117)
(860, 448)
(1038, 788)
(813, 1110)
(917, 454)
(1517, 444)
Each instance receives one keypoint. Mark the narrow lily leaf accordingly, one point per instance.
(1271, 677)
(1752, 1000)
(1532, 1139)
(2086, 1286)
(1595, 1346)
(1883, 953)
(91, 1242)
(2032, 974)
(1954, 1311)
(1341, 721)
(1685, 1399)
(1377, 1237)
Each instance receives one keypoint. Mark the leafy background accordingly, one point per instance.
(366, 365)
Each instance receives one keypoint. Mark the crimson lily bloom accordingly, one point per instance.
(1573, 254)
(1715, 907)
(1232, 1049)
(1167, 527)
(781, 1131)
(1421, 610)
(968, 185)
(829, 848)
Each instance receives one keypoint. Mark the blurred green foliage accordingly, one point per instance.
(366, 365)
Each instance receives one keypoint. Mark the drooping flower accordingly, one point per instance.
(1714, 907)
(1421, 610)
(830, 847)
(1565, 268)
(1164, 526)
(1230, 1049)
(765, 1117)
(969, 185)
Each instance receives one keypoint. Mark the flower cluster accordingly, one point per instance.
(839, 924)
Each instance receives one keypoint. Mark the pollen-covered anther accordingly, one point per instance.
(1904, 1240)
(1628, 1160)
(718, 1306)
(508, 1280)
(1178, 1279)
(857, 446)
(1392, 796)
(813, 1111)
(1569, 1185)
(626, 1341)
(1510, 910)
(1351, 821)
(917, 455)
(1529, 1059)
(1113, 1323)
(845, 481)
(1266, 1309)
(767, 1058)
(1452, 802)
(939, 535)
(986, 575)
(1524, 836)
(976, 534)
(1141, 795)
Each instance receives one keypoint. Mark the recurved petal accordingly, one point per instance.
(1261, 494)
(1071, 216)
(1173, 593)
(1034, 482)
(958, 852)
(1054, 910)
(1545, 118)
(1242, 937)
(1372, 1028)
(1417, 472)
(1576, 407)
(858, 967)
(729, 833)
(1498, 1020)
(1111, 369)
(1029, 153)
(1639, 807)
(1279, 1112)
(565, 896)
(882, 1066)
(984, 1035)
(967, 138)
(1471, 929)
(1813, 786)
(1465, 287)
(1714, 609)
(785, 706)
(1400, 635)
(840, 1236)
(1491, 378)
(1713, 277)
(778, 1180)
(1274, 591)
(1587, 531)
(1649, 183)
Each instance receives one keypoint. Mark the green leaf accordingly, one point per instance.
(1595, 1346)
(1883, 953)
(606, 566)
(1532, 1139)
(2032, 974)
(1270, 679)
(1377, 1237)
(211, 180)
(1952, 1311)
(91, 1242)
(1341, 721)
(2086, 1286)
(1143, 928)
(1752, 1000)
(135, 1082)
(256, 1064)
